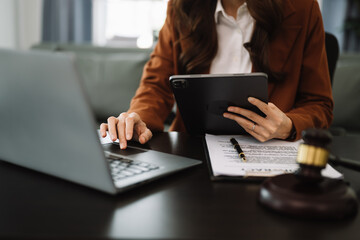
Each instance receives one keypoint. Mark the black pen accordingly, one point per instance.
(238, 149)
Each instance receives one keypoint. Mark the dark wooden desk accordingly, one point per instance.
(186, 205)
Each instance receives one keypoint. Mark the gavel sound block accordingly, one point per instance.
(306, 193)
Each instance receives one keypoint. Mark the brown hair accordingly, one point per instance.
(194, 20)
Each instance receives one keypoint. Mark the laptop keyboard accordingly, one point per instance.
(123, 168)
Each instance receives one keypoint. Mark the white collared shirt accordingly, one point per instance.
(231, 56)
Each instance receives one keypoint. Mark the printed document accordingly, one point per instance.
(262, 159)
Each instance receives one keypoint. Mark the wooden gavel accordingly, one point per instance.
(306, 193)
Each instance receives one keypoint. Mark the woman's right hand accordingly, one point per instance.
(128, 126)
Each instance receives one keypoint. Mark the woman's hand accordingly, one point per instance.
(128, 126)
(275, 125)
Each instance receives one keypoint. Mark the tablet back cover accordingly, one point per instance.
(202, 99)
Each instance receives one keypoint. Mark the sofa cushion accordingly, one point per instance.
(110, 75)
(111, 80)
(346, 93)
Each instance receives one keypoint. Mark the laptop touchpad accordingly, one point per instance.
(114, 148)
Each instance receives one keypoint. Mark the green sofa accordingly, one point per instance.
(111, 77)
(346, 93)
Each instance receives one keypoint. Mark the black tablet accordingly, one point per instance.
(203, 98)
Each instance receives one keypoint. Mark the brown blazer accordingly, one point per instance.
(297, 50)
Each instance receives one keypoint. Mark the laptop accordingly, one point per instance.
(47, 125)
(203, 98)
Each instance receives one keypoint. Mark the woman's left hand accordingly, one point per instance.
(275, 125)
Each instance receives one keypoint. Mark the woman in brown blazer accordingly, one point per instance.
(287, 43)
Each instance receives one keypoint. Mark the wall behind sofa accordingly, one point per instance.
(20, 23)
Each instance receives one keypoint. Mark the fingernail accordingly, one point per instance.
(230, 109)
(250, 99)
(128, 136)
(121, 145)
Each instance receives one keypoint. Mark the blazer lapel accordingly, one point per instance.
(289, 9)
(283, 42)
(281, 47)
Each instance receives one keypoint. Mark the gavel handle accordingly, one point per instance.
(349, 163)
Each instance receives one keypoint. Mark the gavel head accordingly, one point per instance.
(313, 154)
(307, 194)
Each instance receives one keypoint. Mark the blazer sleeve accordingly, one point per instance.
(153, 99)
(314, 104)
